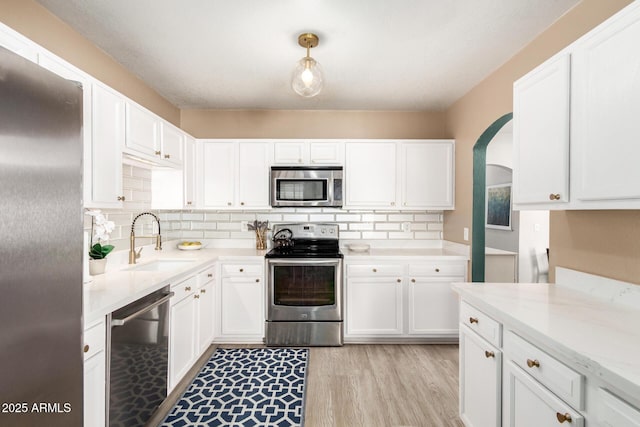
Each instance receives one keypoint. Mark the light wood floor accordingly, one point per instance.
(376, 386)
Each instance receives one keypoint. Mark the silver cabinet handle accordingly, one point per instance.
(120, 322)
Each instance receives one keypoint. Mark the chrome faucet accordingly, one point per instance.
(133, 255)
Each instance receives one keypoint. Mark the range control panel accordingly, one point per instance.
(310, 230)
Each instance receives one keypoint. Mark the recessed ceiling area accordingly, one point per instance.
(409, 55)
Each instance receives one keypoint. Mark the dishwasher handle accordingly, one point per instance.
(121, 322)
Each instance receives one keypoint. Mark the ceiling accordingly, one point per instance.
(412, 55)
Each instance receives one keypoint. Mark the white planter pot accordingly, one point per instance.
(97, 266)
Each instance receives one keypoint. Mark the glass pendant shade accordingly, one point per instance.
(308, 78)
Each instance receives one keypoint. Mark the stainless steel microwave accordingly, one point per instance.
(314, 186)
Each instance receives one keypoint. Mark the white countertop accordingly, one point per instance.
(595, 335)
(119, 287)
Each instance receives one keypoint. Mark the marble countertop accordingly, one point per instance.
(119, 286)
(595, 336)
(422, 253)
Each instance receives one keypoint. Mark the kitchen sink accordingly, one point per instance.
(162, 265)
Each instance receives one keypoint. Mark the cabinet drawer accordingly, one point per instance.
(241, 270)
(183, 289)
(206, 276)
(437, 269)
(374, 270)
(94, 339)
(484, 325)
(559, 378)
(614, 412)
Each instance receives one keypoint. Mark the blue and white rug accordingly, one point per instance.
(245, 387)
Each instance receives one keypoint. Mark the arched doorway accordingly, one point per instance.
(479, 193)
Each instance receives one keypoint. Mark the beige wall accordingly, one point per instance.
(605, 243)
(312, 124)
(37, 23)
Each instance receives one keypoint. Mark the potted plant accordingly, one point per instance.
(100, 230)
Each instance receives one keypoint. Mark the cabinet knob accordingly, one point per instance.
(228, 203)
(210, 275)
(241, 270)
(203, 291)
(189, 203)
(257, 280)
(375, 270)
(86, 348)
(158, 153)
(299, 160)
(121, 198)
(167, 156)
(563, 417)
(489, 354)
(413, 280)
(554, 196)
(241, 203)
(533, 363)
(187, 288)
(196, 296)
(399, 280)
(437, 270)
(473, 320)
(393, 203)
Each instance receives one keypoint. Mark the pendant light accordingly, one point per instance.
(308, 78)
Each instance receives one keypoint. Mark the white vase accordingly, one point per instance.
(97, 266)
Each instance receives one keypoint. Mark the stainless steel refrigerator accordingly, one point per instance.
(41, 246)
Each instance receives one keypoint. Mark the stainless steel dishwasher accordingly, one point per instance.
(137, 362)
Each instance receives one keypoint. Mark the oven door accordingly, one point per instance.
(304, 289)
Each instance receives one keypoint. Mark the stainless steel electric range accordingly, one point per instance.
(304, 306)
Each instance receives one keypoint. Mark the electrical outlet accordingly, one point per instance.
(466, 234)
(406, 226)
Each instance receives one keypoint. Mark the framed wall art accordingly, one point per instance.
(498, 210)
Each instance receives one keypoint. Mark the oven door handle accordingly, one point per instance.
(121, 322)
(304, 261)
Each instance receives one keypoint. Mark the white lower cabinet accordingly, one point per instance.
(480, 380)
(183, 330)
(240, 303)
(529, 404)
(205, 308)
(390, 299)
(95, 374)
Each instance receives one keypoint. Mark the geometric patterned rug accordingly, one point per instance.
(245, 387)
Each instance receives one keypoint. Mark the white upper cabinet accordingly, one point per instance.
(106, 148)
(143, 131)
(172, 143)
(575, 123)
(606, 103)
(541, 134)
(426, 175)
(189, 172)
(16, 43)
(398, 175)
(235, 174)
(308, 152)
(370, 169)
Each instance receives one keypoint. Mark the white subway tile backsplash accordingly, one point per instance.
(364, 226)
(373, 235)
(295, 217)
(133, 183)
(428, 235)
(401, 217)
(388, 226)
(322, 218)
(216, 216)
(428, 217)
(243, 217)
(193, 217)
(418, 226)
(401, 235)
(350, 235)
(435, 226)
(231, 226)
(243, 235)
(216, 234)
(348, 218)
(192, 234)
(374, 217)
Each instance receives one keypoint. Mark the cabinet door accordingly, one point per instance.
(189, 172)
(143, 131)
(182, 339)
(242, 307)
(289, 152)
(326, 152)
(529, 404)
(218, 174)
(205, 316)
(374, 306)
(253, 177)
(433, 306)
(427, 175)
(106, 148)
(606, 101)
(172, 142)
(541, 135)
(480, 381)
(94, 390)
(371, 174)
(14, 42)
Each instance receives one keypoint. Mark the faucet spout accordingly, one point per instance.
(133, 255)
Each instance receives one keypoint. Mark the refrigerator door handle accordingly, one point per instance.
(120, 322)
